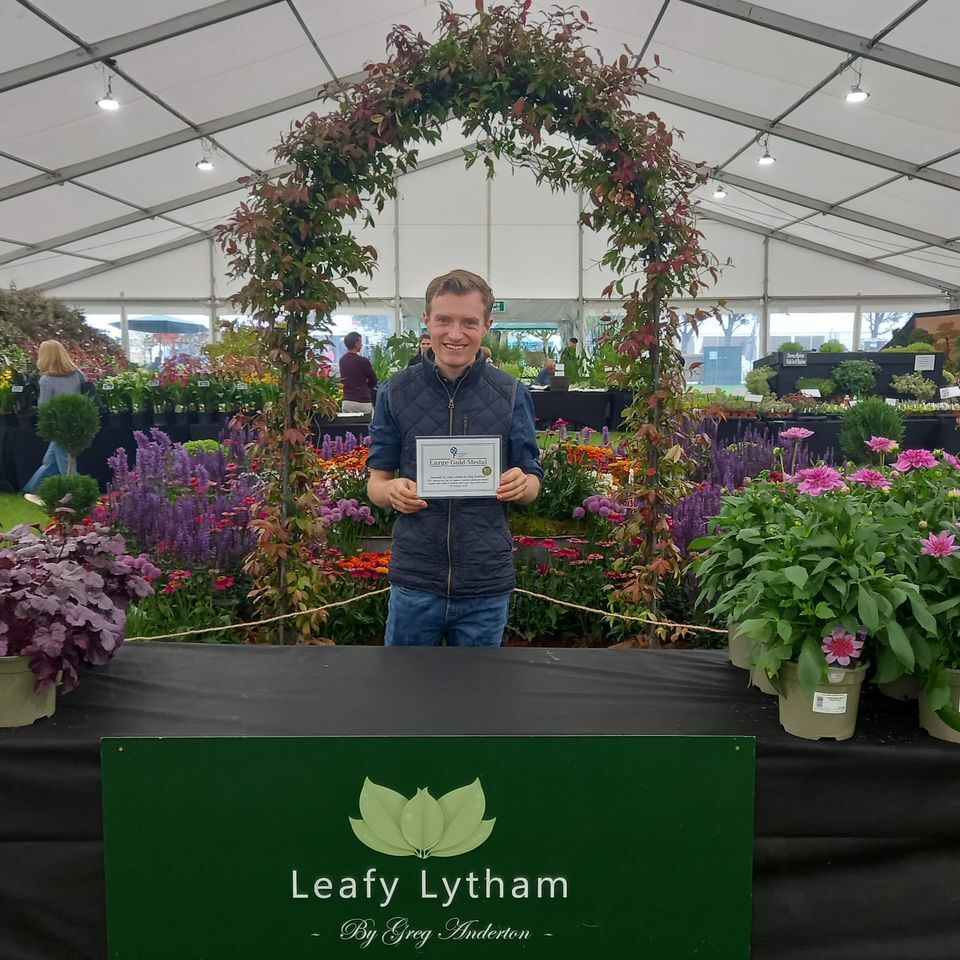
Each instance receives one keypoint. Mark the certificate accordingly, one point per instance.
(458, 466)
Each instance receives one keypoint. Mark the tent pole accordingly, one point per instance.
(124, 328)
(581, 318)
(397, 318)
(765, 303)
(857, 326)
(213, 293)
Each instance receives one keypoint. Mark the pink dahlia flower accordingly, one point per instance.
(914, 460)
(796, 433)
(841, 647)
(882, 444)
(952, 460)
(939, 545)
(816, 480)
(870, 478)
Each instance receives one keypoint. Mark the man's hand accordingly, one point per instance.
(404, 497)
(517, 487)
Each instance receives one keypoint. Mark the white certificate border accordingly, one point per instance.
(426, 443)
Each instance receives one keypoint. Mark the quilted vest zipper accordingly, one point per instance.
(451, 397)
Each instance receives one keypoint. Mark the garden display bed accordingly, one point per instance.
(847, 862)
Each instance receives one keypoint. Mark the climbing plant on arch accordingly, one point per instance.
(530, 92)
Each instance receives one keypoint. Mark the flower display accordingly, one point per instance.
(914, 460)
(952, 460)
(796, 433)
(939, 545)
(842, 647)
(817, 480)
(223, 582)
(870, 478)
(882, 445)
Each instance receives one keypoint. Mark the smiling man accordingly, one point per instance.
(452, 570)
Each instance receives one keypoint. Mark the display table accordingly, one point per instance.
(580, 408)
(857, 850)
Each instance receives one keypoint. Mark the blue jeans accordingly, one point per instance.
(424, 619)
(54, 462)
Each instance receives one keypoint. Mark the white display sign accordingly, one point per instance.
(708, 389)
(924, 361)
(947, 392)
(559, 370)
(811, 392)
(891, 402)
(16, 389)
(203, 383)
(458, 466)
(154, 383)
(753, 397)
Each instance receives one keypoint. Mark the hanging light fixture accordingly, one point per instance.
(720, 192)
(205, 163)
(856, 94)
(108, 101)
(767, 159)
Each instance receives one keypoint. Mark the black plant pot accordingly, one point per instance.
(8, 419)
(26, 420)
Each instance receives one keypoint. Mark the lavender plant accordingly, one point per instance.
(190, 509)
(64, 598)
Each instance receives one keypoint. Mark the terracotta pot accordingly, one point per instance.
(19, 705)
(738, 647)
(830, 711)
(930, 722)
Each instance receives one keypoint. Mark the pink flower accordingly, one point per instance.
(914, 460)
(796, 433)
(816, 480)
(952, 460)
(871, 478)
(222, 583)
(882, 444)
(939, 545)
(841, 647)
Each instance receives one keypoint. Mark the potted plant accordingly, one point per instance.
(62, 607)
(855, 377)
(70, 419)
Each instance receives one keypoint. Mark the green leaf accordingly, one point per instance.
(867, 609)
(462, 812)
(381, 809)
(888, 666)
(784, 630)
(369, 839)
(471, 843)
(422, 821)
(900, 644)
(922, 613)
(797, 576)
(810, 665)
(824, 612)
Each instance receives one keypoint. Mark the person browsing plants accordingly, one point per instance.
(357, 376)
(452, 570)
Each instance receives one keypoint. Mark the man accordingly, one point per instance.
(357, 377)
(422, 347)
(544, 377)
(452, 570)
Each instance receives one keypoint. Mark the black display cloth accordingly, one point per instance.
(580, 408)
(857, 846)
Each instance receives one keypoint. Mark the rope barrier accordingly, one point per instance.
(374, 593)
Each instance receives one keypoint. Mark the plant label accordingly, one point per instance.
(16, 389)
(829, 702)
(924, 361)
(892, 402)
(559, 370)
(811, 392)
(947, 392)
(154, 383)
(794, 359)
(203, 383)
(241, 385)
(106, 386)
(753, 397)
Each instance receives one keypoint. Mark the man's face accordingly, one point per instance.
(456, 326)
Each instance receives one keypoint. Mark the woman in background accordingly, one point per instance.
(58, 374)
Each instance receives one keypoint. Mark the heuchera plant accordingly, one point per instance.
(63, 598)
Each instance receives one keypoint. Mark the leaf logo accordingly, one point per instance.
(453, 452)
(422, 826)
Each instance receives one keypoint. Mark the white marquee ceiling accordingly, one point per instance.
(862, 199)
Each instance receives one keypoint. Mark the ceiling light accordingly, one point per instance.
(856, 94)
(205, 164)
(767, 157)
(720, 192)
(108, 101)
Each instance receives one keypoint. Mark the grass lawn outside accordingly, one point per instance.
(14, 509)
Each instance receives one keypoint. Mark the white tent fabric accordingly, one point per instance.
(863, 201)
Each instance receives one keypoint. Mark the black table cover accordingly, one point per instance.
(857, 848)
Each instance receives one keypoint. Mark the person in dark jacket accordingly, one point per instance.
(452, 569)
(357, 377)
(422, 347)
(58, 374)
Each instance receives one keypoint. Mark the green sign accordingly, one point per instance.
(444, 847)
(499, 306)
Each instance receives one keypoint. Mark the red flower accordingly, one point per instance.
(222, 583)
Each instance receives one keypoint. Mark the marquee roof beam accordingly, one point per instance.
(850, 43)
(125, 42)
(655, 91)
(834, 252)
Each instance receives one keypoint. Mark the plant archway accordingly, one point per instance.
(530, 91)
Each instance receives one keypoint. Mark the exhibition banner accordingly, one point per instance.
(446, 847)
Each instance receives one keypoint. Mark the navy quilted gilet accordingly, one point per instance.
(460, 547)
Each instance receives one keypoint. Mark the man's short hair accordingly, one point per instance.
(574, 340)
(461, 282)
(352, 340)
